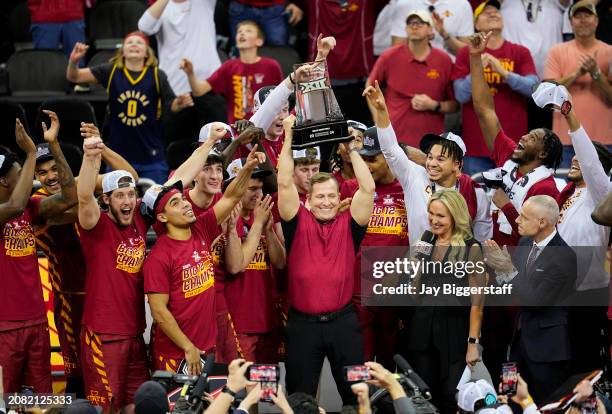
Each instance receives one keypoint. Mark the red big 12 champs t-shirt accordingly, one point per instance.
(21, 295)
(251, 294)
(114, 303)
(183, 269)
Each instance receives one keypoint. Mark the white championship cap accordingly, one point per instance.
(117, 179)
(549, 94)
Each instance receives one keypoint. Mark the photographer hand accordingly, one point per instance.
(362, 392)
(281, 401)
(251, 399)
(236, 380)
(383, 378)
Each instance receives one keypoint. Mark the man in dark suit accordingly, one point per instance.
(543, 273)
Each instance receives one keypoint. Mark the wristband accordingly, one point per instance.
(596, 75)
(227, 390)
(291, 78)
(472, 340)
(438, 107)
(526, 402)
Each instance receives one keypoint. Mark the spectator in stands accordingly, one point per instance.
(352, 23)
(321, 247)
(452, 21)
(186, 29)
(274, 17)
(511, 76)
(58, 239)
(238, 79)
(417, 103)
(253, 254)
(138, 92)
(24, 334)
(583, 65)
(535, 24)
(178, 273)
(58, 22)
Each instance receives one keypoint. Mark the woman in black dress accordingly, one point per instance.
(443, 330)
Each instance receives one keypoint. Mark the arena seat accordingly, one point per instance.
(8, 112)
(178, 151)
(110, 21)
(285, 55)
(37, 73)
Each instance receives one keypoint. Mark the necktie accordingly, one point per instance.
(533, 255)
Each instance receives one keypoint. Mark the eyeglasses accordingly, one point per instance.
(415, 23)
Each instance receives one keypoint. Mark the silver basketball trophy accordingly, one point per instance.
(318, 117)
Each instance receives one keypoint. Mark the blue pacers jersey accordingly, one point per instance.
(135, 111)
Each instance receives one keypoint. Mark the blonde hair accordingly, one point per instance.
(118, 59)
(460, 216)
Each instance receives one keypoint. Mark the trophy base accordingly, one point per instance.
(319, 134)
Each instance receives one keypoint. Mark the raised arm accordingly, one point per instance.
(288, 197)
(234, 192)
(400, 164)
(75, 74)
(113, 160)
(198, 87)
(89, 211)
(18, 200)
(188, 170)
(67, 197)
(149, 21)
(363, 200)
(481, 96)
(238, 254)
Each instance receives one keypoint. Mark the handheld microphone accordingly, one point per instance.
(424, 247)
(201, 384)
(405, 367)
